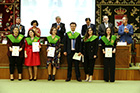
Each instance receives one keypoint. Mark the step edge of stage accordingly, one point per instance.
(130, 68)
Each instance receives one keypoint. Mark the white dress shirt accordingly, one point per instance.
(106, 25)
(72, 42)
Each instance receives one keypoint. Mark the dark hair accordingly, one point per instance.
(14, 28)
(32, 31)
(87, 34)
(34, 21)
(52, 30)
(73, 23)
(87, 19)
(106, 33)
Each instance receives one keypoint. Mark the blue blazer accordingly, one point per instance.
(126, 36)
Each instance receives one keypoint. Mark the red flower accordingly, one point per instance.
(5, 6)
(11, 12)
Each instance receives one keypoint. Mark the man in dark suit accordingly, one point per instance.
(72, 45)
(21, 27)
(88, 25)
(60, 27)
(104, 25)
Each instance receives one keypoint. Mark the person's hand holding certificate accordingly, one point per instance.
(108, 52)
(51, 52)
(15, 51)
(77, 57)
(35, 46)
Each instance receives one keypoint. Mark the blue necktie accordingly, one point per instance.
(73, 41)
(58, 31)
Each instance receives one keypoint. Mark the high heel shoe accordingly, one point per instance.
(53, 78)
(90, 81)
(87, 80)
(19, 79)
(30, 79)
(49, 78)
(35, 79)
(12, 79)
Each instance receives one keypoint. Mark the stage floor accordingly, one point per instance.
(132, 73)
(60, 86)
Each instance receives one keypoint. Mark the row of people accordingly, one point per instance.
(125, 34)
(72, 45)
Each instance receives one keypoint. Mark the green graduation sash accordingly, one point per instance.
(107, 42)
(15, 40)
(29, 41)
(53, 40)
(73, 36)
(93, 37)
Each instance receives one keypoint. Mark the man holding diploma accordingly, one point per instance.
(72, 45)
(108, 42)
(15, 52)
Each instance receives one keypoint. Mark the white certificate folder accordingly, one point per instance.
(35, 46)
(108, 52)
(51, 52)
(76, 57)
(15, 51)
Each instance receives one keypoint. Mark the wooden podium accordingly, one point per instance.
(123, 55)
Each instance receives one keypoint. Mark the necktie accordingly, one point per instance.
(73, 41)
(58, 30)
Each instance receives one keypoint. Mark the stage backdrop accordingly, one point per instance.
(116, 9)
(45, 11)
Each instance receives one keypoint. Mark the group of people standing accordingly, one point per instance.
(86, 46)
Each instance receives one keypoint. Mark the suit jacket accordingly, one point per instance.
(22, 29)
(61, 31)
(102, 29)
(126, 36)
(91, 48)
(84, 29)
(67, 44)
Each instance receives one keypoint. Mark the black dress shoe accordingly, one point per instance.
(68, 79)
(53, 78)
(79, 79)
(130, 65)
(106, 80)
(112, 81)
(49, 78)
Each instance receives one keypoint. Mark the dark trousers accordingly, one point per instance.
(109, 68)
(76, 63)
(15, 61)
(89, 65)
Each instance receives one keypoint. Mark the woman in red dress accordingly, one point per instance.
(32, 59)
(37, 31)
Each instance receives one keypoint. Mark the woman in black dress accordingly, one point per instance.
(90, 48)
(109, 41)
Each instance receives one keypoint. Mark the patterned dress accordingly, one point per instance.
(55, 61)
